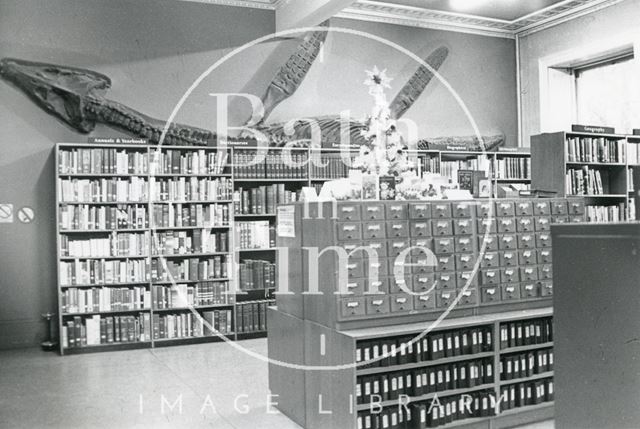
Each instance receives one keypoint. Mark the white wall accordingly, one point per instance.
(600, 31)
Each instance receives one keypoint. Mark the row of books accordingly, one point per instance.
(85, 217)
(633, 153)
(256, 234)
(584, 181)
(513, 168)
(251, 316)
(431, 413)
(186, 161)
(431, 164)
(191, 241)
(526, 333)
(191, 269)
(133, 189)
(182, 295)
(262, 199)
(526, 364)
(450, 168)
(98, 272)
(329, 166)
(95, 330)
(433, 346)
(185, 189)
(421, 381)
(594, 149)
(258, 165)
(631, 204)
(183, 215)
(102, 161)
(612, 213)
(525, 394)
(257, 274)
(188, 325)
(117, 244)
(74, 300)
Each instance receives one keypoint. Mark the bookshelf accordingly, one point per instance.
(501, 318)
(592, 166)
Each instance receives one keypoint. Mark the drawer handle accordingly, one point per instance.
(373, 227)
(396, 208)
(525, 221)
(349, 228)
(398, 245)
(446, 295)
(465, 258)
(464, 241)
(422, 243)
(373, 209)
(353, 304)
(397, 227)
(526, 254)
(508, 239)
(441, 208)
(375, 246)
(540, 205)
(465, 276)
(544, 253)
(423, 280)
(491, 274)
(352, 266)
(400, 282)
(352, 285)
(522, 205)
(548, 286)
(506, 222)
(488, 257)
(528, 270)
(401, 300)
(377, 302)
(444, 260)
(509, 272)
(491, 291)
(424, 298)
(528, 287)
(544, 221)
(546, 270)
(463, 223)
(444, 242)
(445, 278)
(347, 209)
(508, 256)
(441, 225)
(466, 293)
(510, 289)
(422, 208)
(376, 265)
(526, 238)
(504, 206)
(421, 225)
(544, 237)
(376, 284)
(349, 248)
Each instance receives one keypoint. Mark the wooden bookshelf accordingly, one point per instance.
(587, 165)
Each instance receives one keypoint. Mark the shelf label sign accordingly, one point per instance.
(6, 213)
(286, 226)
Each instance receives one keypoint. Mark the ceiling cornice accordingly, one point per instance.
(392, 13)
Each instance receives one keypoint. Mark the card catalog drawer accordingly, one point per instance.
(349, 211)
(424, 264)
(506, 224)
(464, 277)
(402, 285)
(509, 258)
(505, 208)
(423, 282)
(419, 211)
(401, 303)
(397, 229)
(528, 290)
(524, 208)
(444, 298)
(395, 247)
(578, 218)
(559, 219)
(491, 242)
(351, 247)
(464, 244)
(546, 288)
(468, 297)
(484, 209)
(373, 230)
(420, 229)
(465, 261)
(446, 263)
(490, 294)
(576, 207)
(379, 286)
(379, 246)
(543, 223)
(559, 207)
(509, 275)
(425, 302)
(526, 241)
(420, 246)
(508, 242)
(349, 231)
(352, 307)
(462, 209)
(377, 305)
(490, 260)
(373, 211)
(528, 257)
(446, 281)
(487, 224)
(541, 208)
(441, 227)
(544, 256)
(545, 272)
(525, 224)
(529, 273)
(355, 268)
(443, 245)
(440, 210)
(491, 277)
(510, 292)
(463, 226)
(355, 287)
(396, 211)
(543, 239)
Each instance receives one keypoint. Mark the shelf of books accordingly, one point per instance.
(597, 167)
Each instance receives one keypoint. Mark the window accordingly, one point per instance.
(607, 93)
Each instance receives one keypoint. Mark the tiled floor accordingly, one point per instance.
(138, 388)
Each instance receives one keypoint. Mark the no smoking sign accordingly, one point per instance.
(26, 215)
(6, 213)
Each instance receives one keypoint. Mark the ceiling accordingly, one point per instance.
(507, 10)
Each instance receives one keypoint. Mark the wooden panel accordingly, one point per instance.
(547, 163)
(597, 325)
